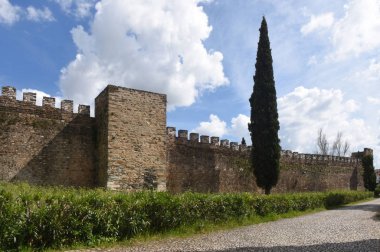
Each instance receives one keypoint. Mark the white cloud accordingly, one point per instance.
(78, 8)
(239, 128)
(303, 111)
(373, 100)
(358, 31)
(39, 15)
(9, 13)
(372, 73)
(149, 45)
(215, 127)
(319, 22)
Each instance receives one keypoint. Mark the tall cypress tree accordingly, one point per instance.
(264, 126)
(369, 176)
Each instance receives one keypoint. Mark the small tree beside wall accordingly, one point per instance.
(369, 176)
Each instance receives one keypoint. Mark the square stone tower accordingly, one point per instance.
(131, 138)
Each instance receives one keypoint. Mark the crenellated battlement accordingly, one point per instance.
(48, 108)
(287, 156)
(202, 141)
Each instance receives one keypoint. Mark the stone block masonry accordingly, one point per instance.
(213, 166)
(128, 147)
(132, 139)
(45, 145)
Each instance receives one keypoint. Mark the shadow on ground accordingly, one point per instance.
(372, 245)
(375, 208)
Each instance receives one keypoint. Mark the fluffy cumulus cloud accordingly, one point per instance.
(77, 8)
(154, 45)
(214, 127)
(322, 21)
(9, 13)
(357, 32)
(237, 129)
(304, 111)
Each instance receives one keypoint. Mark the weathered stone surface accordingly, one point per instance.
(128, 147)
(48, 102)
(9, 92)
(84, 109)
(67, 106)
(194, 137)
(29, 97)
(42, 146)
(132, 138)
(208, 168)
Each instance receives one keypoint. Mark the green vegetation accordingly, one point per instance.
(264, 124)
(41, 218)
(377, 191)
(369, 176)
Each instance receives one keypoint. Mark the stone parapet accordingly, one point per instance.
(8, 102)
(287, 156)
(295, 157)
(203, 140)
(45, 145)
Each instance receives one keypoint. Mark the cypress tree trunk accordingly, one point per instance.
(267, 190)
(264, 126)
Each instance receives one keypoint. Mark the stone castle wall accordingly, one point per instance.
(45, 145)
(208, 165)
(127, 146)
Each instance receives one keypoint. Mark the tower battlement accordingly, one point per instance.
(48, 109)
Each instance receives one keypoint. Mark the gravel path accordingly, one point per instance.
(350, 228)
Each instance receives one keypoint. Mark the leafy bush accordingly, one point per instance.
(54, 217)
(377, 191)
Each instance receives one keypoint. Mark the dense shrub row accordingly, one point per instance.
(377, 191)
(55, 217)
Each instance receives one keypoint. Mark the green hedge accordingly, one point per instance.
(41, 218)
(377, 191)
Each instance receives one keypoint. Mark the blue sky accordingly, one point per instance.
(202, 55)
